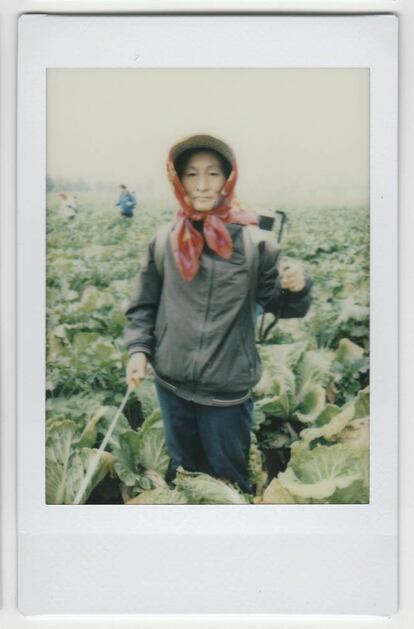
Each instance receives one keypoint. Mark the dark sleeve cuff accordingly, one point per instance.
(134, 349)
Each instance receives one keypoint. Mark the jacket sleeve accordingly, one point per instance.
(270, 295)
(142, 309)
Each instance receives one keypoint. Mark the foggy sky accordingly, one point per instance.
(301, 136)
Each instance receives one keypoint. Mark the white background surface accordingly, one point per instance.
(405, 617)
(221, 559)
(337, 42)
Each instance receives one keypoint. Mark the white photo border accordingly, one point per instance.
(129, 550)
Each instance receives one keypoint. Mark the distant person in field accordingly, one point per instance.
(127, 202)
(193, 313)
(68, 205)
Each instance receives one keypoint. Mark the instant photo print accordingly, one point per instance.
(207, 314)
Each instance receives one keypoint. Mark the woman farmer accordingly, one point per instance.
(192, 314)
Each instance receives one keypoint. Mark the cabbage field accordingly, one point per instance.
(310, 438)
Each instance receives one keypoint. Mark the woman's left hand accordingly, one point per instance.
(292, 276)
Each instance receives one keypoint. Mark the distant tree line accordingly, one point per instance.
(57, 184)
(79, 185)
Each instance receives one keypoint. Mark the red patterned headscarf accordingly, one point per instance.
(187, 242)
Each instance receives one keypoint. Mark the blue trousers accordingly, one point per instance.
(210, 439)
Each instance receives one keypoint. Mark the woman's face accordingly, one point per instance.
(203, 180)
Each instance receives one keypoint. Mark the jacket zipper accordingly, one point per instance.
(207, 310)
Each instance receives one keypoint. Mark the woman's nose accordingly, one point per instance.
(202, 182)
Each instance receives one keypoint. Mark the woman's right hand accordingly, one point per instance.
(136, 367)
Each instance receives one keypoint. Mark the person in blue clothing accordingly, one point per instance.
(127, 202)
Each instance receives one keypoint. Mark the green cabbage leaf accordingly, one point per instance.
(141, 460)
(147, 396)
(159, 496)
(275, 493)
(66, 464)
(257, 474)
(318, 473)
(281, 401)
(332, 421)
(201, 488)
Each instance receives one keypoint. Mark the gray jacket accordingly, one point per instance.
(200, 335)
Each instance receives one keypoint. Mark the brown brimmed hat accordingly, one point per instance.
(207, 142)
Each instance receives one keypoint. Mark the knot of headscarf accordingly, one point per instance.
(187, 242)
